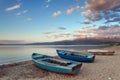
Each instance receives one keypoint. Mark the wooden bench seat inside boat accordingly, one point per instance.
(61, 62)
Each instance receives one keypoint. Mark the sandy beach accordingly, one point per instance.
(104, 68)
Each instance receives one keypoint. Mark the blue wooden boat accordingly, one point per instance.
(56, 64)
(76, 56)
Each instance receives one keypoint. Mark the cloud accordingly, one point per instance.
(48, 33)
(85, 33)
(18, 14)
(116, 19)
(22, 12)
(102, 5)
(55, 14)
(86, 22)
(112, 30)
(68, 11)
(92, 16)
(97, 9)
(102, 31)
(25, 11)
(48, 1)
(62, 28)
(47, 6)
(13, 7)
(73, 9)
(89, 32)
(58, 36)
(11, 41)
(65, 35)
(28, 19)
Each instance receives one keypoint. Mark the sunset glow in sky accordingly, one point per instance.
(24, 21)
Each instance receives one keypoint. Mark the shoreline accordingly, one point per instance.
(52, 47)
(49, 46)
(104, 68)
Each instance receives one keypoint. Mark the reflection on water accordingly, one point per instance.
(11, 54)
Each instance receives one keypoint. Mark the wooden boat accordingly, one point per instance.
(101, 52)
(76, 56)
(56, 64)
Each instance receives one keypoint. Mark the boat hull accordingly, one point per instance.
(57, 68)
(101, 52)
(89, 58)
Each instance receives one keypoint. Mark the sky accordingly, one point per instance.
(26, 21)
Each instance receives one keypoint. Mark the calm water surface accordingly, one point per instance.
(12, 54)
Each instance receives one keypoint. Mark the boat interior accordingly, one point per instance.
(56, 61)
(76, 54)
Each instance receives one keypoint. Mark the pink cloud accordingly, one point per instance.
(73, 9)
(102, 31)
(102, 5)
(96, 9)
(55, 14)
(13, 7)
(66, 34)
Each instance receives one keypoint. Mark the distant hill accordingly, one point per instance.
(77, 42)
(74, 42)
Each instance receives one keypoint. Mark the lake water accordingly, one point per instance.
(12, 54)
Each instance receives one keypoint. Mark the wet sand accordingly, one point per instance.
(104, 68)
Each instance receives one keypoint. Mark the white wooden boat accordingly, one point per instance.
(101, 52)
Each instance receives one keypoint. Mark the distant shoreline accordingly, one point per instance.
(56, 45)
(17, 52)
(68, 47)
